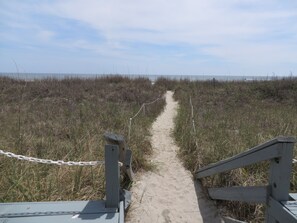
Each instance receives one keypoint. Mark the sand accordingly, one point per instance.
(168, 194)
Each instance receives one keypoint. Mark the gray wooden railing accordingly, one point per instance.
(124, 156)
(275, 195)
(109, 210)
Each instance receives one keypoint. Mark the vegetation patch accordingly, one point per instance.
(65, 120)
(231, 117)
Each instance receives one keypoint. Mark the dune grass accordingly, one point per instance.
(231, 117)
(65, 120)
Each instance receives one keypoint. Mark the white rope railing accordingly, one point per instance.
(192, 116)
(48, 161)
(194, 134)
(74, 163)
(137, 113)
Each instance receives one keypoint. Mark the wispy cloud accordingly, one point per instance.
(238, 37)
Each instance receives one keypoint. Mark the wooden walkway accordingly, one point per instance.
(62, 211)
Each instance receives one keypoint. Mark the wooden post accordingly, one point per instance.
(118, 140)
(125, 154)
(279, 178)
(112, 176)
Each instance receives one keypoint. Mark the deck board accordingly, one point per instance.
(293, 196)
(291, 206)
(61, 211)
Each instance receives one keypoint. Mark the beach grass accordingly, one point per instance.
(231, 117)
(65, 120)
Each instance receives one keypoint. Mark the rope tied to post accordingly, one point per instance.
(138, 112)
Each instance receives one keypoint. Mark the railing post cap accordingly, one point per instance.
(286, 139)
(113, 137)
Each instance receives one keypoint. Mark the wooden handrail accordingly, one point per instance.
(257, 194)
(265, 151)
(280, 153)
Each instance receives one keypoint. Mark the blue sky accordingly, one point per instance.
(232, 37)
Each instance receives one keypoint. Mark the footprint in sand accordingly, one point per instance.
(165, 214)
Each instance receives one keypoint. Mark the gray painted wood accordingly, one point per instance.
(119, 140)
(126, 196)
(112, 176)
(61, 211)
(122, 213)
(113, 138)
(53, 208)
(125, 155)
(279, 213)
(293, 196)
(231, 220)
(88, 218)
(280, 175)
(109, 211)
(280, 152)
(239, 161)
(280, 172)
(291, 206)
(128, 164)
(265, 151)
(246, 194)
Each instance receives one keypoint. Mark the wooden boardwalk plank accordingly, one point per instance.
(280, 212)
(291, 206)
(61, 211)
(293, 196)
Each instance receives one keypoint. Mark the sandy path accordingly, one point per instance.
(168, 193)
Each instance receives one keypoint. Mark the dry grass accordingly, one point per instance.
(66, 119)
(230, 118)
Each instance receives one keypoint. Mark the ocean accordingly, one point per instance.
(153, 78)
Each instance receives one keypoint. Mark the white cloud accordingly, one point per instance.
(246, 32)
(46, 35)
(201, 19)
